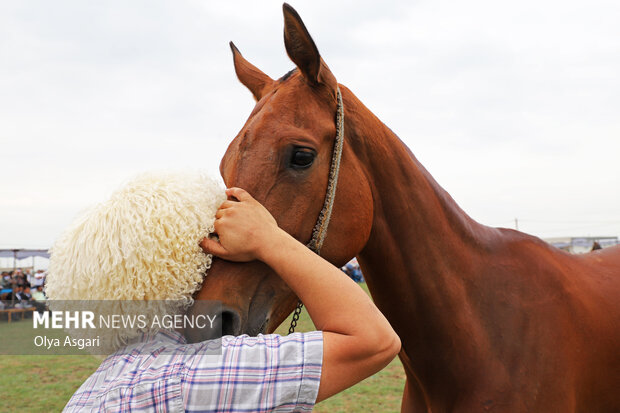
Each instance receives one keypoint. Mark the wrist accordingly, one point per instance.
(274, 246)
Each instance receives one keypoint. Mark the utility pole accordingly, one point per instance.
(517, 224)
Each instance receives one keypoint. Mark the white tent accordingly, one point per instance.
(22, 253)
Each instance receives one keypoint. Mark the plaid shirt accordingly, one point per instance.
(268, 373)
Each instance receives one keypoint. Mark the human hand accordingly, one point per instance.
(245, 228)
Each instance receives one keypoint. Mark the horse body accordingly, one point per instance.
(490, 319)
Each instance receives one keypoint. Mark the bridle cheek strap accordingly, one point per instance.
(320, 228)
(319, 232)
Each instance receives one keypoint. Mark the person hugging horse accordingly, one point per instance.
(151, 242)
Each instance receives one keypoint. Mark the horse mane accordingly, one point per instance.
(287, 75)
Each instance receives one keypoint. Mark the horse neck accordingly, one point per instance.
(422, 249)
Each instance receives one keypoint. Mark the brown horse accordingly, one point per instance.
(490, 319)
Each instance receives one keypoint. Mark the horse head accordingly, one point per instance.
(282, 157)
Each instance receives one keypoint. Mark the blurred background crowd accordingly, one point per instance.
(22, 288)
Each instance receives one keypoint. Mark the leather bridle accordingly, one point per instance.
(319, 232)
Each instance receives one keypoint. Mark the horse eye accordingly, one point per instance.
(302, 158)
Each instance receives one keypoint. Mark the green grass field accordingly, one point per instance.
(45, 383)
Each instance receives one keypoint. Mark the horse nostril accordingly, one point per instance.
(231, 323)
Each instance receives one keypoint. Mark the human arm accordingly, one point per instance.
(357, 339)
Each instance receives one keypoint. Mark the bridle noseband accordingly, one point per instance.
(319, 232)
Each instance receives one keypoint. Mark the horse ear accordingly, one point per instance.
(303, 52)
(248, 74)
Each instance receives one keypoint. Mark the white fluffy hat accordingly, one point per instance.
(141, 244)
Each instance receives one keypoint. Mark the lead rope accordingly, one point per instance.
(319, 232)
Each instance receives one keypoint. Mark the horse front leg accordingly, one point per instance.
(414, 397)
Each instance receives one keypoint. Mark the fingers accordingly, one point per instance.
(240, 194)
(223, 207)
(227, 204)
(211, 246)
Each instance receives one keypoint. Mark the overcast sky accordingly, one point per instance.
(514, 107)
